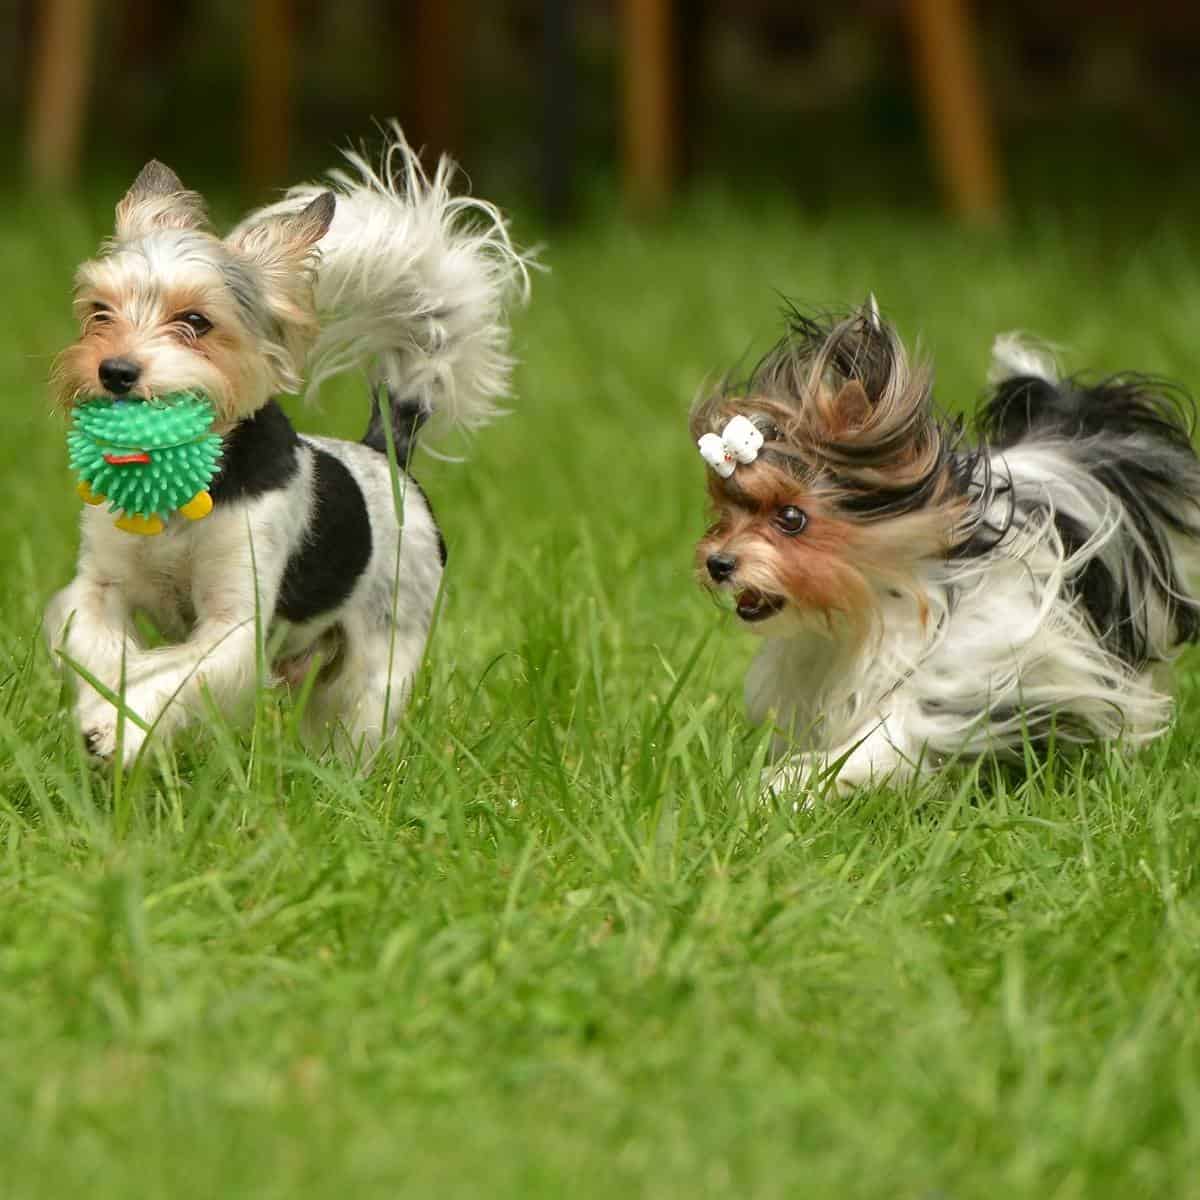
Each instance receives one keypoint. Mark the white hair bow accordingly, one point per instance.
(738, 442)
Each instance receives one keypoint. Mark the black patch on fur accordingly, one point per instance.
(1118, 405)
(406, 416)
(258, 456)
(981, 485)
(1105, 598)
(322, 572)
(1132, 433)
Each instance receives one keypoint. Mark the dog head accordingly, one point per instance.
(168, 306)
(831, 478)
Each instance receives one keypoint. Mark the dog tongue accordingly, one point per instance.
(120, 460)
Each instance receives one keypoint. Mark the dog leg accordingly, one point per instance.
(231, 588)
(88, 623)
(880, 752)
(365, 698)
(219, 659)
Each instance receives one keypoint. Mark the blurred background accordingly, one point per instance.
(979, 166)
(975, 110)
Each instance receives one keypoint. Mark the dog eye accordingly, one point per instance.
(197, 322)
(790, 519)
(99, 314)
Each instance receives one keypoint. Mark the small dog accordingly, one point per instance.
(922, 600)
(324, 551)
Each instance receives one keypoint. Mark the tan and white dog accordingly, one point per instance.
(325, 550)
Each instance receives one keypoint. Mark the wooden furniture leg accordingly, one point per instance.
(268, 94)
(950, 81)
(650, 89)
(437, 72)
(61, 78)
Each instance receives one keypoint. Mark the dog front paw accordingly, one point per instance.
(100, 739)
(99, 727)
(98, 744)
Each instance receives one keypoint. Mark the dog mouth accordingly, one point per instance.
(753, 605)
(125, 457)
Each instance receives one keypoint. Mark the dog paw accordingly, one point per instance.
(100, 741)
(99, 726)
(94, 744)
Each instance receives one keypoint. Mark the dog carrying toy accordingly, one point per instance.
(146, 458)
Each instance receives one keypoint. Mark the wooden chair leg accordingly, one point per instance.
(951, 86)
(650, 92)
(61, 79)
(268, 94)
(438, 67)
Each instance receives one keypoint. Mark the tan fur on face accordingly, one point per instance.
(142, 324)
(256, 293)
(835, 567)
(815, 569)
(852, 439)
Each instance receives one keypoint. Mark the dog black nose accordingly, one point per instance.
(118, 375)
(720, 566)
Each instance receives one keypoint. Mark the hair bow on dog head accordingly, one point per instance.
(739, 442)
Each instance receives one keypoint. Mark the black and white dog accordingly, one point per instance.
(325, 551)
(922, 599)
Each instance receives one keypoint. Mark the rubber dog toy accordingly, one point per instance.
(146, 458)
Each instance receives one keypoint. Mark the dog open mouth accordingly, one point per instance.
(757, 606)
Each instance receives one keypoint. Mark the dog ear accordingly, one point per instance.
(283, 243)
(157, 200)
(281, 247)
(866, 388)
(870, 312)
(848, 409)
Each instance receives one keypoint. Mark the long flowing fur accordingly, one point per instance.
(1049, 592)
(1121, 485)
(411, 286)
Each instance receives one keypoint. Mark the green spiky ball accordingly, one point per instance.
(175, 433)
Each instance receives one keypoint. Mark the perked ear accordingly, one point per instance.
(848, 409)
(284, 242)
(158, 200)
(281, 248)
(870, 312)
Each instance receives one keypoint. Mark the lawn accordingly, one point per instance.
(553, 945)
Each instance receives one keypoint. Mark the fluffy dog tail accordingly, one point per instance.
(1150, 419)
(1132, 435)
(412, 286)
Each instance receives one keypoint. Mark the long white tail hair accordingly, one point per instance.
(412, 286)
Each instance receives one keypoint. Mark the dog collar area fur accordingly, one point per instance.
(146, 458)
(739, 442)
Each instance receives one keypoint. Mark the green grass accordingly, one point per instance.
(552, 946)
